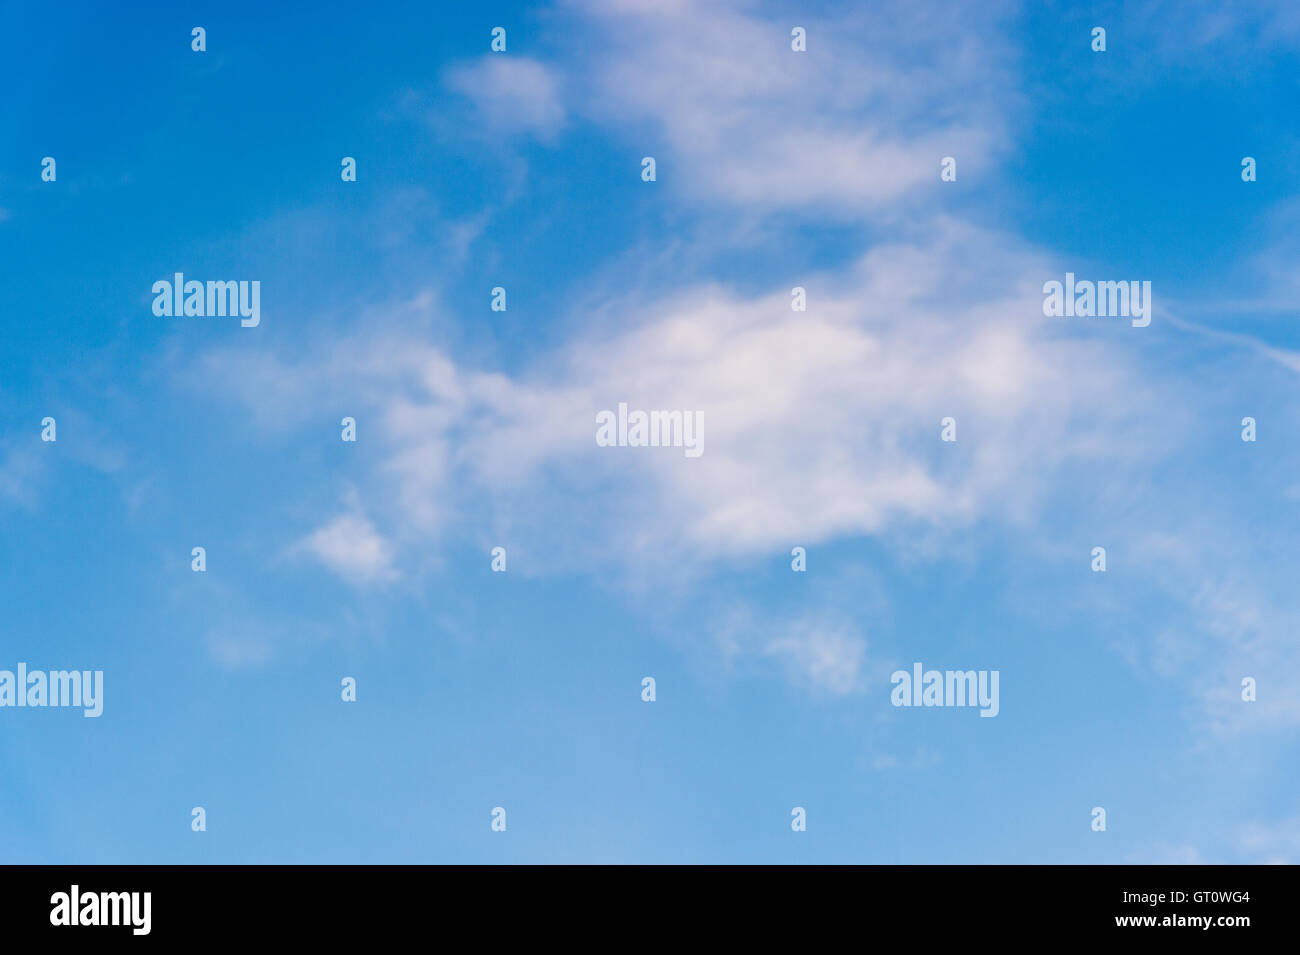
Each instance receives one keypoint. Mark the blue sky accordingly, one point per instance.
(476, 428)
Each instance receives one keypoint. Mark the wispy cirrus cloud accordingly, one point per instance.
(818, 424)
(512, 93)
(734, 115)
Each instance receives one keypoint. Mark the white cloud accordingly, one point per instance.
(20, 474)
(350, 546)
(733, 114)
(817, 424)
(819, 655)
(1177, 28)
(512, 92)
(237, 650)
(1272, 844)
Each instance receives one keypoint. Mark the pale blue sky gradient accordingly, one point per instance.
(476, 429)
